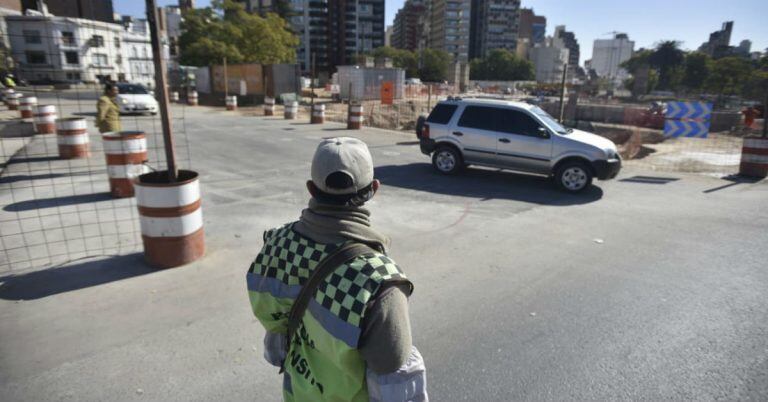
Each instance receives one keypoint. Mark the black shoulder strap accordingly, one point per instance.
(323, 269)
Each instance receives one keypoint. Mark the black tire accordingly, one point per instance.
(573, 177)
(447, 160)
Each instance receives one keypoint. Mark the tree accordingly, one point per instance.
(638, 65)
(729, 75)
(501, 65)
(696, 71)
(226, 30)
(434, 65)
(667, 59)
(401, 58)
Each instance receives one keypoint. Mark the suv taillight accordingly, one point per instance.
(425, 131)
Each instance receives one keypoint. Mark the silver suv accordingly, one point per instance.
(515, 136)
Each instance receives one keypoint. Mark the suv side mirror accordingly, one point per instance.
(543, 132)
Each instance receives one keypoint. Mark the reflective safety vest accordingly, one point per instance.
(323, 362)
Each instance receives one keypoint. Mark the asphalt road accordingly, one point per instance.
(632, 290)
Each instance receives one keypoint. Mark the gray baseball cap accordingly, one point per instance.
(345, 155)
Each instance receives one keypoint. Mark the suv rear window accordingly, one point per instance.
(442, 113)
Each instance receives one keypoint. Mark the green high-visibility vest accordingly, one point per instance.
(323, 362)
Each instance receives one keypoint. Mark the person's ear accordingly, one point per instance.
(311, 188)
(375, 185)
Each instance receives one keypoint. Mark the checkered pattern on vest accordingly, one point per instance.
(290, 258)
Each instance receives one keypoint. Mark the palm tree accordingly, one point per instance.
(667, 58)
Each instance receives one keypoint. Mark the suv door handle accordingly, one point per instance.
(504, 140)
(458, 133)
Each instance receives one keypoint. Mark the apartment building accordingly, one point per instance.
(449, 27)
(408, 26)
(494, 25)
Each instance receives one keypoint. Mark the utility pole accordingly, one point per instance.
(162, 91)
(226, 80)
(312, 85)
(765, 112)
(562, 93)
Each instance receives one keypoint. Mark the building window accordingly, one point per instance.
(134, 51)
(68, 38)
(144, 51)
(73, 76)
(72, 57)
(97, 41)
(36, 57)
(118, 59)
(31, 36)
(117, 42)
(100, 59)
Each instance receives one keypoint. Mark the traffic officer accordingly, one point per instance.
(107, 110)
(353, 340)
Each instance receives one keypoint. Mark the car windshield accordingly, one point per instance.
(550, 121)
(132, 89)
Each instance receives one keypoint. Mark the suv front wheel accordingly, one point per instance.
(573, 177)
(447, 160)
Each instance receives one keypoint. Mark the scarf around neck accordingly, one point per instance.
(325, 223)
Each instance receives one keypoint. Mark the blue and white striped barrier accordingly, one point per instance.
(687, 119)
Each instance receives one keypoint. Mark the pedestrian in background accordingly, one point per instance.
(107, 110)
(334, 305)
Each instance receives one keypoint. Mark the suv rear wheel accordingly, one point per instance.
(573, 177)
(447, 160)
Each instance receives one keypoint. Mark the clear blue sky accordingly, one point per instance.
(646, 22)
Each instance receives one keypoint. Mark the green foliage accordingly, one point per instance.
(729, 75)
(668, 59)
(434, 65)
(501, 65)
(696, 70)
(401, 58)
(226, 30)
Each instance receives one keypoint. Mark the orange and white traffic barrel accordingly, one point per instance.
(269, 106)
(754, 157)
(231, 102)
(6, 92)
(27, 106)
(192, 98)
(174, 96)
(318, 114)
(126, 152)
(45, 119)
(291, 109)
(12, 100)
(171, 218)
(355, 117)
(72, 137)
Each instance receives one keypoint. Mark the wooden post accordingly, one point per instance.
(429, 98)
(765, 113)
(312, 86)
(162, 90)
(562, 93)
(226, 79)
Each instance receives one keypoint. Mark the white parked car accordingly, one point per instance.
(135, 98)
(514, 136)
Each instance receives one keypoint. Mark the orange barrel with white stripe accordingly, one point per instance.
(27, 106)
(355, 117)
(72, 137)
(269, 106)
(174, 96)
(754, 157)
(318, 114)
(171, 218)
(45, 119)
(12, 100)
(192, 98)
(231, 102)
(126, 152)
(6, 92)
(290, 110)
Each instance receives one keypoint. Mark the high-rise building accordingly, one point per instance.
(608, 54)
(185, 5)
(744, 48)
(549, 59)
(408, 26)
(449, 24)
(568, 40)
(96, 10)
(532, 27)
(719, 41)
(494, 25)
(388, 36)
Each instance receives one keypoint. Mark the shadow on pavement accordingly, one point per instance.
(25, 177)
(485, 184)
(56, 202)
(734, 181)
(52, 281)
(16, 129)
(33, 159)
(85, 114)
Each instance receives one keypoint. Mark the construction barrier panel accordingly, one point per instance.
(192, 98)
(291, 109)
(754, 157)
(355, 117)
(269, 106)
(231, 102)
(126, 153)
(318, 114)
(171, 218)
(72, 137)
(12, 100)
(45, 119)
